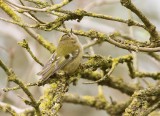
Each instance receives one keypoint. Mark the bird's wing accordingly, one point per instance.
(63, 61)
(48, 64)
(52, 67)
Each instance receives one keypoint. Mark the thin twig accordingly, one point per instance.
(25, 45)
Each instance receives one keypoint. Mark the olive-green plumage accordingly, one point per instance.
(67, 57)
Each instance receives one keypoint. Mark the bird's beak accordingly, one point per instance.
(70, 33)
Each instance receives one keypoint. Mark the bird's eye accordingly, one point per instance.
(67, 56)
(64, 36)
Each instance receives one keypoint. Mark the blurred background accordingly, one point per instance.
(26, 68)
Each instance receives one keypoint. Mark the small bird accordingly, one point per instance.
(67, 57)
